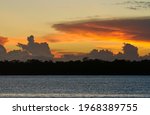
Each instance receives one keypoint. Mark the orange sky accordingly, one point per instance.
(81, 42)
(83, 36)
(76, 26)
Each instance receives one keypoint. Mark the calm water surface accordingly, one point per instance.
(74, 86)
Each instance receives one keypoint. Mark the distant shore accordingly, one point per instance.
(88, 67)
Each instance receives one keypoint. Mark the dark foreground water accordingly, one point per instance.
(74, 86)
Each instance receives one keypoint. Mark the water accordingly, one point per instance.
(74, 86)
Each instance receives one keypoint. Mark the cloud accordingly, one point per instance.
(18, 55)
(32, 50)
(3, 52)
(132, 8)
(64, 37)
(136, 4)
(136, 29)
(3, 40)
(105, 55)
(36, 50)
(129, 52)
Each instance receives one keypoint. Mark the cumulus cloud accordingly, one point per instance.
(3, 40)
(136, 29)
(32, 50)
(105, 55)
(129, 52)
(36, 50)
(18, 55)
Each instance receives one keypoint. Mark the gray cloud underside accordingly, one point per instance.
(137, 28)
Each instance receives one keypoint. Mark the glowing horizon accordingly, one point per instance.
(76, 26)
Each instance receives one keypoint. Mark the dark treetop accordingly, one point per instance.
(85, 67)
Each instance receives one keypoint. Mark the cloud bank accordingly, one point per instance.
(129, 52)
(136, 29)
(41, 51)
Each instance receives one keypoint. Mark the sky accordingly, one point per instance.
(76, 26)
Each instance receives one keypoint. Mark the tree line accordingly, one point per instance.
(84, 67)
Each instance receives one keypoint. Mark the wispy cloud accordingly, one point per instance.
(135, 4)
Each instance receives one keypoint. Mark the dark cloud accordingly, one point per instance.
(93, 27)
(3, 40)
(129, 52)
(132, 29)
(136, 4)
(105, 55)
(32, 50)
(36, 50)
(3, 52)
(18, 55)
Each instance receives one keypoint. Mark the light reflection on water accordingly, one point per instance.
(74, 86)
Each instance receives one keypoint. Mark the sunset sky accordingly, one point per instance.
(76, 26)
